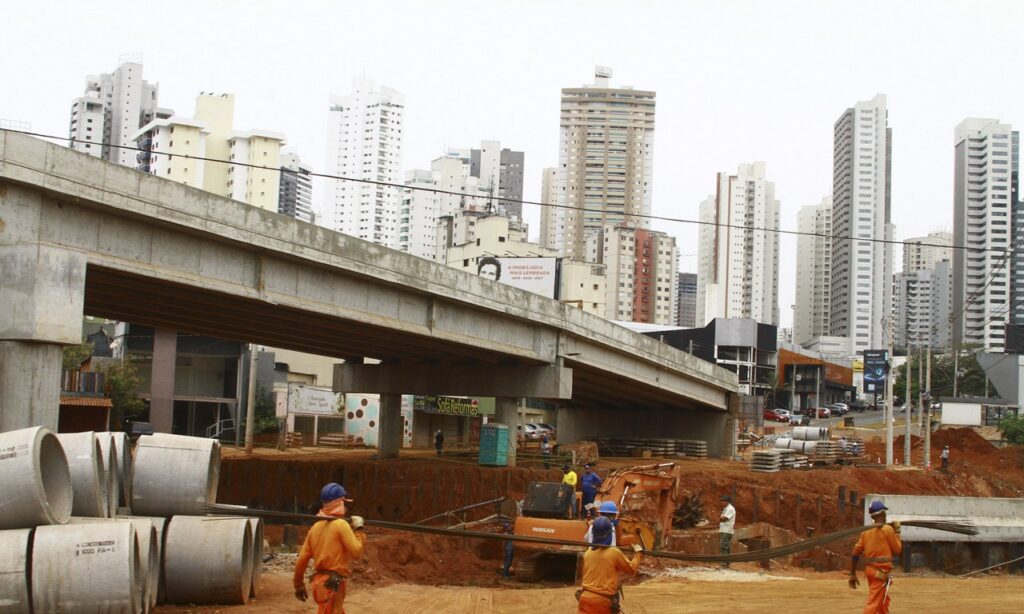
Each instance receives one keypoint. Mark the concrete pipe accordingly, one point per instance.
(35, 483)
(149, 553)
(160, 526)
(123, 451)
(208, 560)
(15, 556)
(174, 475)
(810, 433)
(87, 568)
(87, 476)
(111, 470)
(782, 444)
(256, 527)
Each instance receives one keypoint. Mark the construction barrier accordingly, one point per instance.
(35, 483)
(174, 475)
(15, 552)
(208, 560)
(87, 568)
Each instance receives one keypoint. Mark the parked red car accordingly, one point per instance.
(770, 414)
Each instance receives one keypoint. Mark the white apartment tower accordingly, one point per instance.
(550, 230)
(364, 141)
(738, 249)
(606, 155)
(813, 272)
(920, 253)
(986, 291)
(641, 269)
(924, 302)
(861, 294)
(295, 197)
(112, 109)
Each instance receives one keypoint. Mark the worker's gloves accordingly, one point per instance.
(895, 524)
(300, 593)
(637, 548)
(356, 522)
(854, 582)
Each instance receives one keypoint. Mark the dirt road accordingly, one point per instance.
(694, 590)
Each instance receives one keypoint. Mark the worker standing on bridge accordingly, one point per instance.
(589, 483)
(333, 543)
(880, 545)
(601, 567)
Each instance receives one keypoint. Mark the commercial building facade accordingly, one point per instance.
(686, 299)
(295, 198)
(640, 265)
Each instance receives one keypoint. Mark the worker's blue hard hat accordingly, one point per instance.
(601, 531)
(876, 507)
(608, 507)
(333, 491)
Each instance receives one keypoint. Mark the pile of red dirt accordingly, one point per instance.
(393, 557)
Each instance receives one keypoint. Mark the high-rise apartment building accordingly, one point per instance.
(921, 253)
(738, 249)
(295, 198)
(551, 226)
(640, 266)
(364, 141)
(924, 302)
(686, 299)
(606, 161)
(501, 173)
(861, 294)
(813, 273)
(986, 221)
(173, 148)
(111, 110)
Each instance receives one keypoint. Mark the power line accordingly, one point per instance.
(488, 197)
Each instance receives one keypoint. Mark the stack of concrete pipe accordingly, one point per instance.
(804, 439)
(104, 558)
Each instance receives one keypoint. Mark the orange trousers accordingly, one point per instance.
(592, 603)
(327, 601)
(878, 599)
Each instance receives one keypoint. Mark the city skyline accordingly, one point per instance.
(699, 132)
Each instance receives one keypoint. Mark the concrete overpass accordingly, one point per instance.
(80, 235)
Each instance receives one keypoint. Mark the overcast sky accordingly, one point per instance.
(736, 81)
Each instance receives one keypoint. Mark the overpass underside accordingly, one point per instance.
(79, 235)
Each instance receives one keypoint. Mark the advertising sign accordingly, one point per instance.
(448, 406)
(310, 400)
(535, 275)
(876, 368)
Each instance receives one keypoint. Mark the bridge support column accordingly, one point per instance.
(29, 384)
(42, 291)
(161, 387)
(506, 411)
(389, 430)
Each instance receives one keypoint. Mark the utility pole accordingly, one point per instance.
(956, 369)
(250, 405)
(906, 414)
(928, 418)
(794, 403)
(888, 401)
(920, 388)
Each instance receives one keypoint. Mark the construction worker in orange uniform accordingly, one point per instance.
(333, 543)
(879, 545)
(601, 567)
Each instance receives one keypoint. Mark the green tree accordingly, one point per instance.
(266, 412)
(1012, 428)
(972, 376)
(122, 386)
(75, 355)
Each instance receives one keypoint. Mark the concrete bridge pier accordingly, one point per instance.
(389, 431)
(42, 291)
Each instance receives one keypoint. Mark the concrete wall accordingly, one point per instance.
(961, 414)
(583, 424)
(997, 520)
